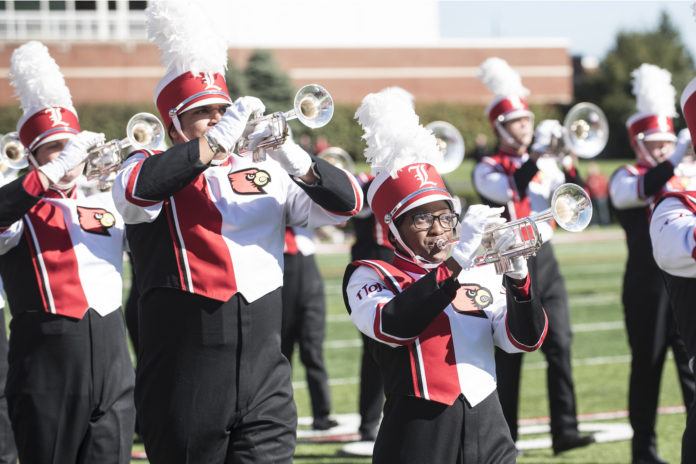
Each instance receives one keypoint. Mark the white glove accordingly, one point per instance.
(475, 222)
(546, 131)
(682, 147)
(503, 242)
(234, 121)
(74, 153)
(292, 158)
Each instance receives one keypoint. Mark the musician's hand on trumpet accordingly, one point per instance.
(228, 131)
(477, 219)
(73, 154)
(681, 148)
(294, 160)
(502, 240)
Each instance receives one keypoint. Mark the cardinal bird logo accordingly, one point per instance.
(249, 181)
(95, 220)
(472, 299)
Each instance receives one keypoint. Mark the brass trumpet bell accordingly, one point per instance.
(313, 107)
(12, 152)
(338, 157)
(451, 145)
(585, 130)
(143, 131)
(571, 208)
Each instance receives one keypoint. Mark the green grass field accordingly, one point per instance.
(593, 271)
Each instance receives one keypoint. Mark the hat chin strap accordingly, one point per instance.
(643, 153)
(416, 259)
(505, 135)
(58, 185)
(177, 126)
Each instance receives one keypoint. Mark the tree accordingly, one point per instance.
(267, 82)
(236, 81)
(610, 87)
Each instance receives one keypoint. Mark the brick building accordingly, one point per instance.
(101, 49)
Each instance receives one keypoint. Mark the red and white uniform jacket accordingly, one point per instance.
(218, 230)
(673, 234)
(522, 186)
(641, 185)
(59, 253)
(434, 336)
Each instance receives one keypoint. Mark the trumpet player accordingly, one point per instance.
(432, 322)
(206, 231)
(70, 382)
(523, 182)
(633, 190)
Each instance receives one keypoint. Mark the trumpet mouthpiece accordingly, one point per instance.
(442, 243)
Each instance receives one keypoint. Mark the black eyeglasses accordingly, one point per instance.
(424, 221)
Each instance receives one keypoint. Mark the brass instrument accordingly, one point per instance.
(585, 132)
(143, 131)
(451, 145)
(313, 107)
(571, 208)
(12, 153)
(338, 157)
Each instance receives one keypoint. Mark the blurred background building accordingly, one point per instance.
(352, 47)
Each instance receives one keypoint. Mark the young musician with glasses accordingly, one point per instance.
(70, 380)
(206, 230)
(433, 321)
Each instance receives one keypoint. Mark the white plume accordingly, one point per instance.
(501, 79)
(393, 134)
(653, 89)
(37, 79)
(192, 35)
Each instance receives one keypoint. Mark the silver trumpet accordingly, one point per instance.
(13, 155)
(451, 144)
(143, 131)
(571, 208)
(313, 107)
(585, 132)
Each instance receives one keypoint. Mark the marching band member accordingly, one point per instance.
(524, 183)
(8, 450)
(433, 321)
(304, 319)
(673, 238)
(371, 242)
(206, 231)
(70, 381)
(633, 190)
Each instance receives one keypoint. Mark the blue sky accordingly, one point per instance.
(590, 25)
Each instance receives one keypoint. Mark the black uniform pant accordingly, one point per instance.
(304, 323)
(211, 383)
(549, 287)
(651, 330)
(371, 393)
(8, 450)
(417, 431)
(70, 388)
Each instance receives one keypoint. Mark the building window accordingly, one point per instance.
(56, 5)
(85, 5)
(26, 6)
